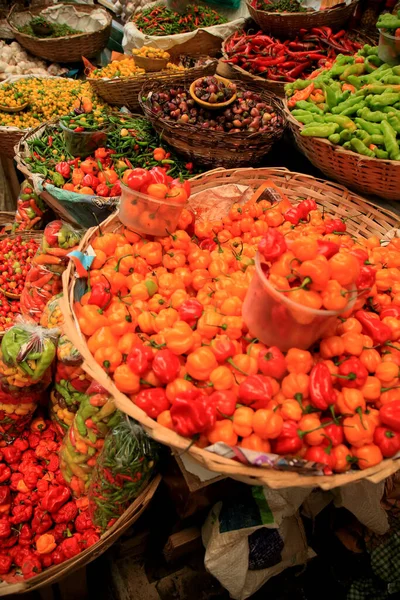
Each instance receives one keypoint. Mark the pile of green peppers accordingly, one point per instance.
(367, 120)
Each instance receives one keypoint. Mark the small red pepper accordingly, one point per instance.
(166, 366)
(378, 331)
(64, 169)
(255, 391)
(387, 440)
(327, 249)
(390, 415)
(272, 363)
(191, 310)
(55, 498)
(352, 373)
(192, 412)
(152, 401)
(139, 359)
(100, 294)
(322, 394)
(272, 245)
(289, 441)
(225, 403)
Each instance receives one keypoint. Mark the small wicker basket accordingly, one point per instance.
(289, 24)
(371, 176)
(338, 201)
(124, 91)
(214, 148)
(66, 49)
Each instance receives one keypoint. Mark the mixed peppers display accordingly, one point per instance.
(160, 20)
(286, 60)
(355, 103)
(170, 333)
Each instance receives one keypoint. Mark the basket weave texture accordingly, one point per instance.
(125, 91)
(338, 201)
(371, 176)
(66, 49)
(213, 148)
(288, 24)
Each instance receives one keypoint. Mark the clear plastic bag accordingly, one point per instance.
(16, 411)
(126, 463)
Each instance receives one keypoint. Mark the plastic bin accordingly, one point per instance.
(147, 215)
(278, 321)
(84, 143)
(389, 48)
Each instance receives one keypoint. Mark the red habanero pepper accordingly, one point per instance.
(5, 473)
(66, 513)
(22, 513)
(83, 522)
(100, 294)
(207, 244)
(193, 413)
(41, 521)
(70, 547)
(255, 391)
(5, 564)
(5, 528)
(11, 454)
(222, 348)
(272, 245)
(288, 441)
(5, 499)
(333, 433)
(64, 169)
(387, 440)
(89, 538)
(390, 311)
(166, 366)
(352, 373)
(272, 363)
(322, 455)
(55, 498)
(139, 359)
(306, 206)
(25, 535)
(293, 215)
(366, 278)
(21, 444)
(390, 415)
(322, 394)
(378, 331)
(191, 310)
(152, 401)
(327, 249)
(335, 225)
(224, 402)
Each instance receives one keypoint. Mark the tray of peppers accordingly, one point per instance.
(60, 177)
(256, 55)
(346, 118)
(185, 363)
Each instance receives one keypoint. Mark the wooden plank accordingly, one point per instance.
(182, 543)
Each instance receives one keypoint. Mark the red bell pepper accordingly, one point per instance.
(390, 415)
(272, 245)
(166, 366)
(192, 412)
(322, 394)
(255, 391)
(152, 401)
(272, 363)
(387, 440)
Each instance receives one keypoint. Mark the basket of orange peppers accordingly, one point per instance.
(166, 326)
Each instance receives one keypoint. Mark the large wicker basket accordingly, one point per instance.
(337, 201)
(371, 176)
(58, 572)
(67, 49)
(125, 91)
(289, 24)
(213, 148)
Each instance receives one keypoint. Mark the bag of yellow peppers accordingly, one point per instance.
(96, 416)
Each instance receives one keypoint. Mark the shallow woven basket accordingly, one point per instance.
(371, 176)
(66, 49)
(278, 87)
(125, 91)
(58, 572)
(288, 24)
(336, 200)
(213, 148)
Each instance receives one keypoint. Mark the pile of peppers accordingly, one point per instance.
(40, 524)
(355, 103)
(44, 278)
(160, 20)
(170, 333)
(279, 60)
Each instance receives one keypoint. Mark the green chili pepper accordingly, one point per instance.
(389, 135)
(334, 138)
(330, 96)
(345, 135)
(370, 128)
(386, 99)
(356, 69)
(363, 135)
(352, 110)
(320, 130)
(373, 116)
(355, 81)
(343, 121)
(309, 106)
(359, 147)
(80, 424)
(377, 140)
(344, 105)
(394, 122)
(381, 153)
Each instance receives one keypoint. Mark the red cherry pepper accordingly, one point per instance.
(166, 366)
(152, 401)
(322, 394)
(255, 391)
(352, 373)
(272, 363)
(272, 245)
(140, 358)
(190, 311)
(192, 412)
(387, 440)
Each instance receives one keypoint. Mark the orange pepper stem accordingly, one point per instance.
(230, 361)
(305, 283)
(359, 412)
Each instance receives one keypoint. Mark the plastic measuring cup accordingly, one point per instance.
(148, 215)
(389, 48)
(276, 320)
(84, 143)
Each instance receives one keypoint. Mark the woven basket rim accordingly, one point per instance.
(248, 473)
(45, 41)
(220, 136)
(283, 15)
(294, 122)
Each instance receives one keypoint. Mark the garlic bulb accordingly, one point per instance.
(15, 60)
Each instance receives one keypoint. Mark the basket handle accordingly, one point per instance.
(12, 9)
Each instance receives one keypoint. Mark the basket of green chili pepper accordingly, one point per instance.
(346, 120)
(126, 464)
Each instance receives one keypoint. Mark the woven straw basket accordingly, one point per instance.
(125, 91)
(288, 24)
(337, 201)
(66, 49)
(213, 148)
(371, 176)
(58, 572)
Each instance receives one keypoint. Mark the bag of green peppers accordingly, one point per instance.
(27, 352)
(126, 463)
(97, 414)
